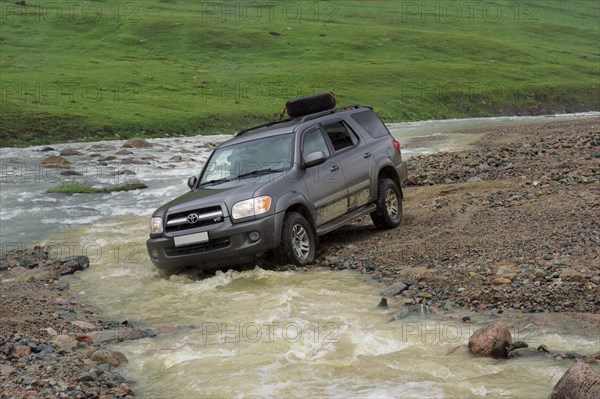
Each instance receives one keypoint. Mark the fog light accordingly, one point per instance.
(254, 236)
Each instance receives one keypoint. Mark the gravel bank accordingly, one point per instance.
(51, 345)
(511, 224)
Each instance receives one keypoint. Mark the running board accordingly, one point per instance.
(326, 228)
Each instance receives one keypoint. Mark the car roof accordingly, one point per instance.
(290, 125)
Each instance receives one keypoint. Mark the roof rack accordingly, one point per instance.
(330, 111)
(304, 118)
(260, 126)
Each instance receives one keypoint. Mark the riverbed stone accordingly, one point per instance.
(105, 356)
(137, 143)
(56, 162)
(581, 381)
(69, 152)
(482, 342)
(64, 343)
(394, 289)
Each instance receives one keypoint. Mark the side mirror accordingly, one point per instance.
(192, 182)
(314, 159)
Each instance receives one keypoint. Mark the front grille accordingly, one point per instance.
(211, 245)
(205, 217)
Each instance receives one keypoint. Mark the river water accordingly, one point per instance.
(255, 332)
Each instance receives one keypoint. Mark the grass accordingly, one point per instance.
(80, 188)
(189, 67)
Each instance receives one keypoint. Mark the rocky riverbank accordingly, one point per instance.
(511, 224)
(52, 345)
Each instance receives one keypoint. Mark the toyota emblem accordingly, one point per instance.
(192, 218)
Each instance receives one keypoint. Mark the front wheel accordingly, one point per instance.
(297, 240)
(389, 205)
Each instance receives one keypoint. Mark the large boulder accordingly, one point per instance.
(137, 143)
(488, 340)
(581, 381)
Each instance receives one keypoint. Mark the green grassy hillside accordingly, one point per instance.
(81, 70)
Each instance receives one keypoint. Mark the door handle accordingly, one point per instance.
(366, 155)
(334, 168)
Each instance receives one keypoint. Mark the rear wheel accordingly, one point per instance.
(297, 240)
(389, 205)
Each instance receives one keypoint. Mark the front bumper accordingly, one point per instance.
(228, 244)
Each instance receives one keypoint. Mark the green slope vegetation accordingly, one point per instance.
(82, 70)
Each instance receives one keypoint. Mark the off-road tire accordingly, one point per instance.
(298, 240)
(388, 214)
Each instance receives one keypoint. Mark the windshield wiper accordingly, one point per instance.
(217, 181)
(259, 172)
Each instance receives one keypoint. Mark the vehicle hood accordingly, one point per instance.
(215, 195)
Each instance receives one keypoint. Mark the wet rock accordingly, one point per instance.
(394, 289)
(70, 172)
(500, 350)
(525, 353)
(69, 152)
(383, 303)
(47, 149)
(518, 345)
(124, 152)
(56, 162)
(3, 266)
(137, 143)
(105, 356)
(482, 342)
(176, 158)
(131, 161)
(581, 381)
(71, 264)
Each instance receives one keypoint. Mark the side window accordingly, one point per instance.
(371, 123)
(339, 135)
(314, 141)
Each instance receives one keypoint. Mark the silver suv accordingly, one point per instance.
(277, 187)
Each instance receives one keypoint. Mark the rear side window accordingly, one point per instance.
(371, 123)
(338, 134)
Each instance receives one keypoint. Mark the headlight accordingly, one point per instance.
(156, 225)
(251, 207)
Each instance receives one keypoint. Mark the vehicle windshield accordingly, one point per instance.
(249, 159)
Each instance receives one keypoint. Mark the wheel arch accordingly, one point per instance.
(389, 172)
